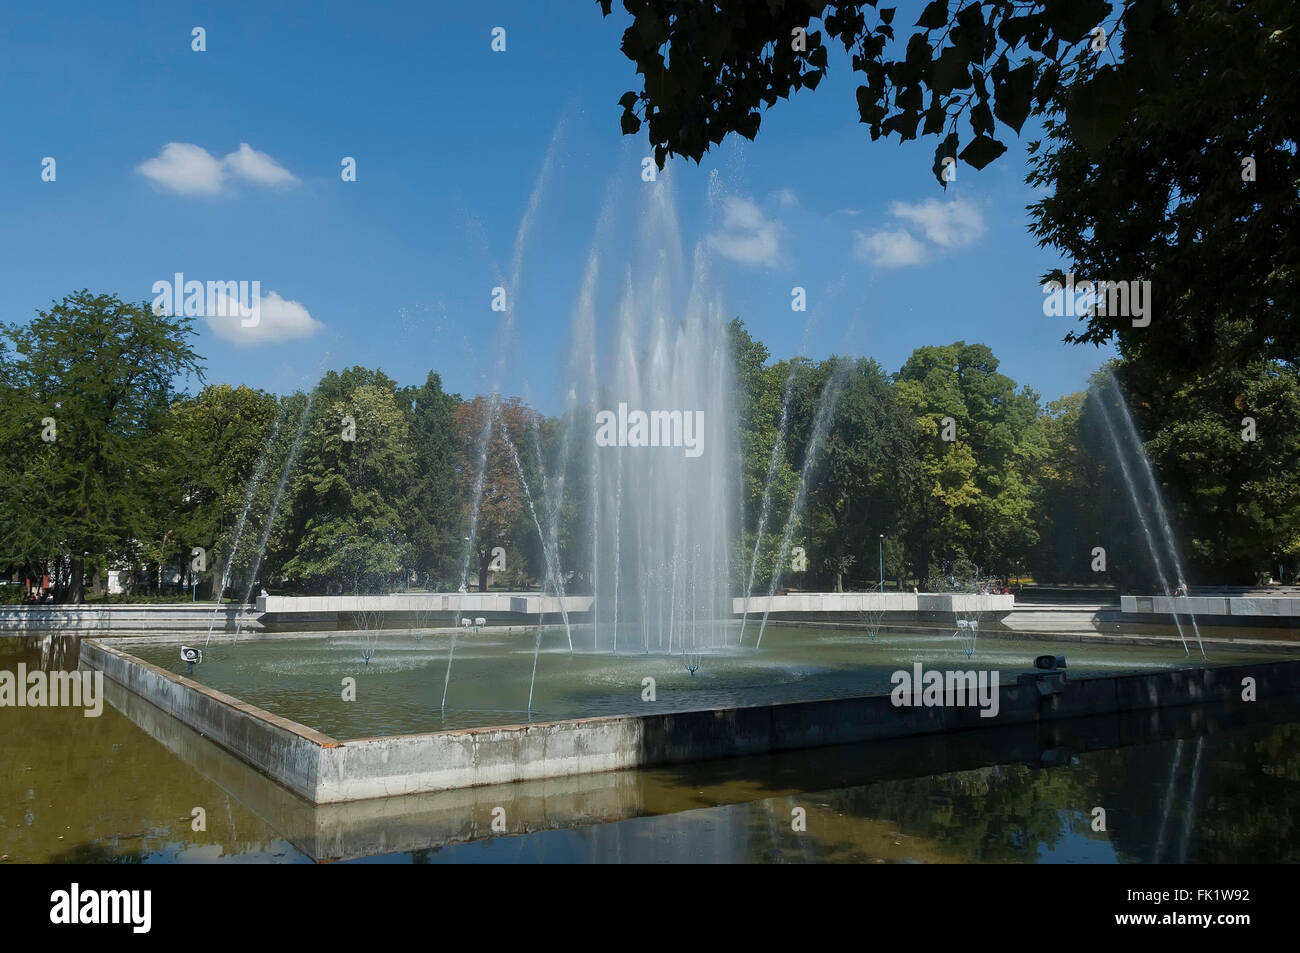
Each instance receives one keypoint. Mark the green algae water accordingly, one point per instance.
(399, 689)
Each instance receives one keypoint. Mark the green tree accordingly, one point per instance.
(354, 493)
(1069, 475)
(862, 477)
(503, 518)
(975, 496)
(104, 372)
(1155, 188)
(1150, 108)
(222, 434)
(1227, 454)
(762, 392)
(433, 507)
(709, 69)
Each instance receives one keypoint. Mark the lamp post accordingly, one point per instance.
(882, 563)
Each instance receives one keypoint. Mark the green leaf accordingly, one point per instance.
(934, 16)
(1014, 96)
(946, 149)
(1098, 110)
(1071, 20)
(950, 71)
(982, 150)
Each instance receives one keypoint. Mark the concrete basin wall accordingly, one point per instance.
(1243, 610)
(437, 602)
(849, 602)
(377, 767)
(112, 619)
(283, 749)
(328, 610)
(325, 770)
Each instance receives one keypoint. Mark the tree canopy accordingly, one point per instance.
(945, 467)
(92, 381)
(1168, 156)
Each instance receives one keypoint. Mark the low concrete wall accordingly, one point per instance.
(325, 770)
(920, 606)
(288, 612)
(115, 619)
(528, 603)
(1221, 610)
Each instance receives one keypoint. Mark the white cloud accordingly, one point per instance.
(184, 168)
(888, 249)
(952, 224)
(786, 198)
(747, 236)
(279, 320)
(248, 163)
(191, 170)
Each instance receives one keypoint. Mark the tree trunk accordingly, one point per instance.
(76, 581)
(484, 561)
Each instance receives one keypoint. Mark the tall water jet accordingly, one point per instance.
(289, 464)
(1157, 563)
(777, 447)
(253, 482)
(1135, 445)
(551, 563)
(505, 335)
(660, 456)
(504, 340)
(826, 404)
(1157, 499)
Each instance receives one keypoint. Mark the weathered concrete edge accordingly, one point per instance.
(371, 767)
(327, 771)
(283, 749)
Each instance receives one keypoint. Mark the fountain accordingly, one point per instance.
(253, 482)
(777, 447)
(830, 396)
(289, 465)
(648, 458)
(1132, 445)
(661, 497)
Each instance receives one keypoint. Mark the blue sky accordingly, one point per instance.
(395, 270)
